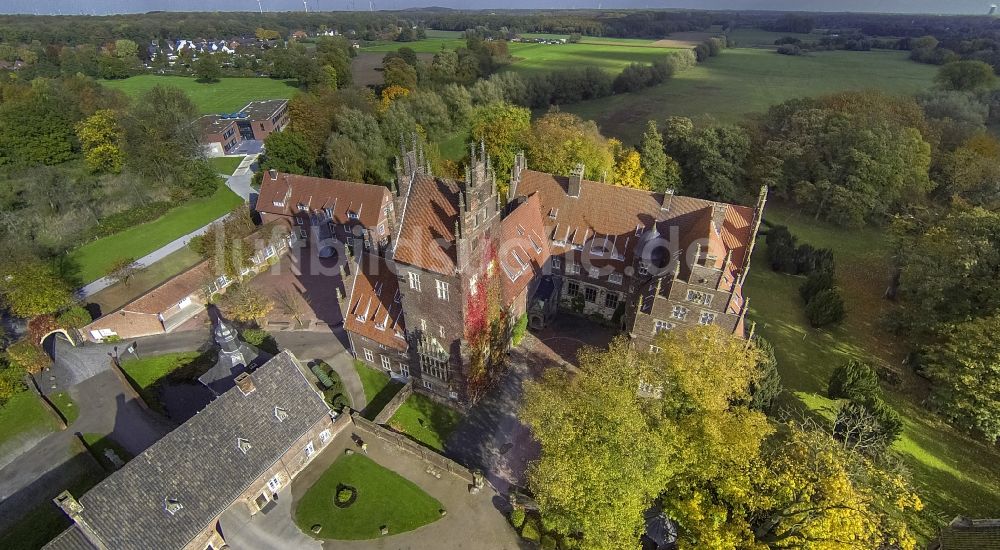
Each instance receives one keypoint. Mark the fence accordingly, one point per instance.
(423, 453)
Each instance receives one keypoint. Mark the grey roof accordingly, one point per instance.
(263, 109)
(971, 534)
(235, 358)
(199, 464)
(70, 539)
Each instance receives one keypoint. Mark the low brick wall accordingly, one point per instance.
(366, 427)
(393, 405)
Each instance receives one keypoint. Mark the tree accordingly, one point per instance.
(963, 363)
(160, 141)
(853, 380)
(809, 492)
(31, 287)
(602, 438)
(561, 140)
(397, 72)
(969, 75)
(868, 427)
(28, 356)
(363, 129)
(123, 270)
(246, 304)
(390, 94)
(655, 161)
(825, 308)
(291, 304)
(100, 136)
(343, 159)
(504, 129)
(223, 243)
(629, 172)
(711, 158)
(766, 385)
(289, 152)
(207, 68)
(816, 282)
(74, 317)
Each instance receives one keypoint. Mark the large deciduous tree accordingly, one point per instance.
(31, 287)
(560, 140)
(712, 159)
(100, 135)
(160, 141)
(504, 129)
(967, 75)
(290, 152)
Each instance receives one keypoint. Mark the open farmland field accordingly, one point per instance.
(746, 80)
(749, 38)
(610, 57)
(226, 95)
(366, 68)
(431, 44)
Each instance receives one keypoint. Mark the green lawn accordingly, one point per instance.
(64, 403)
(225, 96)
(148, 373)
(100, 444)
(384, 498)
(23, 417)
(95, 257)
(117, 295)
(379, 389)
(595, 39)
(745, 80)
(425, 420)
(954, 474)
(428, 45)
(225, 165)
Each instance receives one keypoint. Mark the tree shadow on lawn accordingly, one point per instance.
(426, 421)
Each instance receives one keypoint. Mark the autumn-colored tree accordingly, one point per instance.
(629, 171)
(31, 287)
(390, 94)
(28, 356)
(246, 304)
(560, 140)
(100, 137)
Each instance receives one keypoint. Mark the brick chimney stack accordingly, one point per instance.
(576, 180)
(245, 383)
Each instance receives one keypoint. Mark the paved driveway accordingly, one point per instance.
(330, 346)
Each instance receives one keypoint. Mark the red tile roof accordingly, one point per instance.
(285, 193)
(427, 225)
(375, 310)
(523, 249)
(618, 218)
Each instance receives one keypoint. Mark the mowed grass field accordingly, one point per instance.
(225, 96)
(953, 473)
(746, 80)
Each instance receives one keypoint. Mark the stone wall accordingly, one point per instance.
(370, 429)
(393, 405)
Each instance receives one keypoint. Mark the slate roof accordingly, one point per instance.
(971, 534)
(427, 224)
(375, 302)
(199, 464)
(315, 194)
(70, 539)
(523, 249)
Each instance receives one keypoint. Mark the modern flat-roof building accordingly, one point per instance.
(222, 134)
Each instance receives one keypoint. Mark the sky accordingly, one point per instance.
(102, 7)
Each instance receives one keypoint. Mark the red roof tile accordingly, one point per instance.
(375, 310)
(523, 250)
(285, 193)
(427, 225)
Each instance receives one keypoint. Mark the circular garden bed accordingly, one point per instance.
(345, 496)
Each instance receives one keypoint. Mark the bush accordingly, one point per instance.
(517, 333)
(809, 259)
(517, 517)
(767, 386)
(855, 380)
(126, 219)
(530, 530)
(548, 543)
(74, 317)
(260, 338)
(27, 356)
(344, 495)
(11, 382)
(826, 308)
(870, 424)
(781, 249)
(816, 282)
(789, 49)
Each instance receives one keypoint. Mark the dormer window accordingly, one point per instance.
(280, 414)
(243, 445)
(553, 213)
(352, 215)
(303, 208)
(172, 505)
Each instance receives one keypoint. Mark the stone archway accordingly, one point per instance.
(61, 331)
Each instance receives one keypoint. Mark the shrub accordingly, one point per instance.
(816, 282)
(809, 259)
(789, 49)
(344, 495)
(260, 338)
(530, 530)
(27, 356)
(767, 386)
(517, 517)
(126, 219)
(826, 308)
(74, 317)
(11, 382)
(781, 249)
(517, 333)
(870, 425)
(548, 543)
(854, 380)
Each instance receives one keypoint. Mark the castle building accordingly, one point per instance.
(458, 263)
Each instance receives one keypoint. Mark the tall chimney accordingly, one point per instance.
(576, 179)
(74, 510)
(245, 383)
(272, 173)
